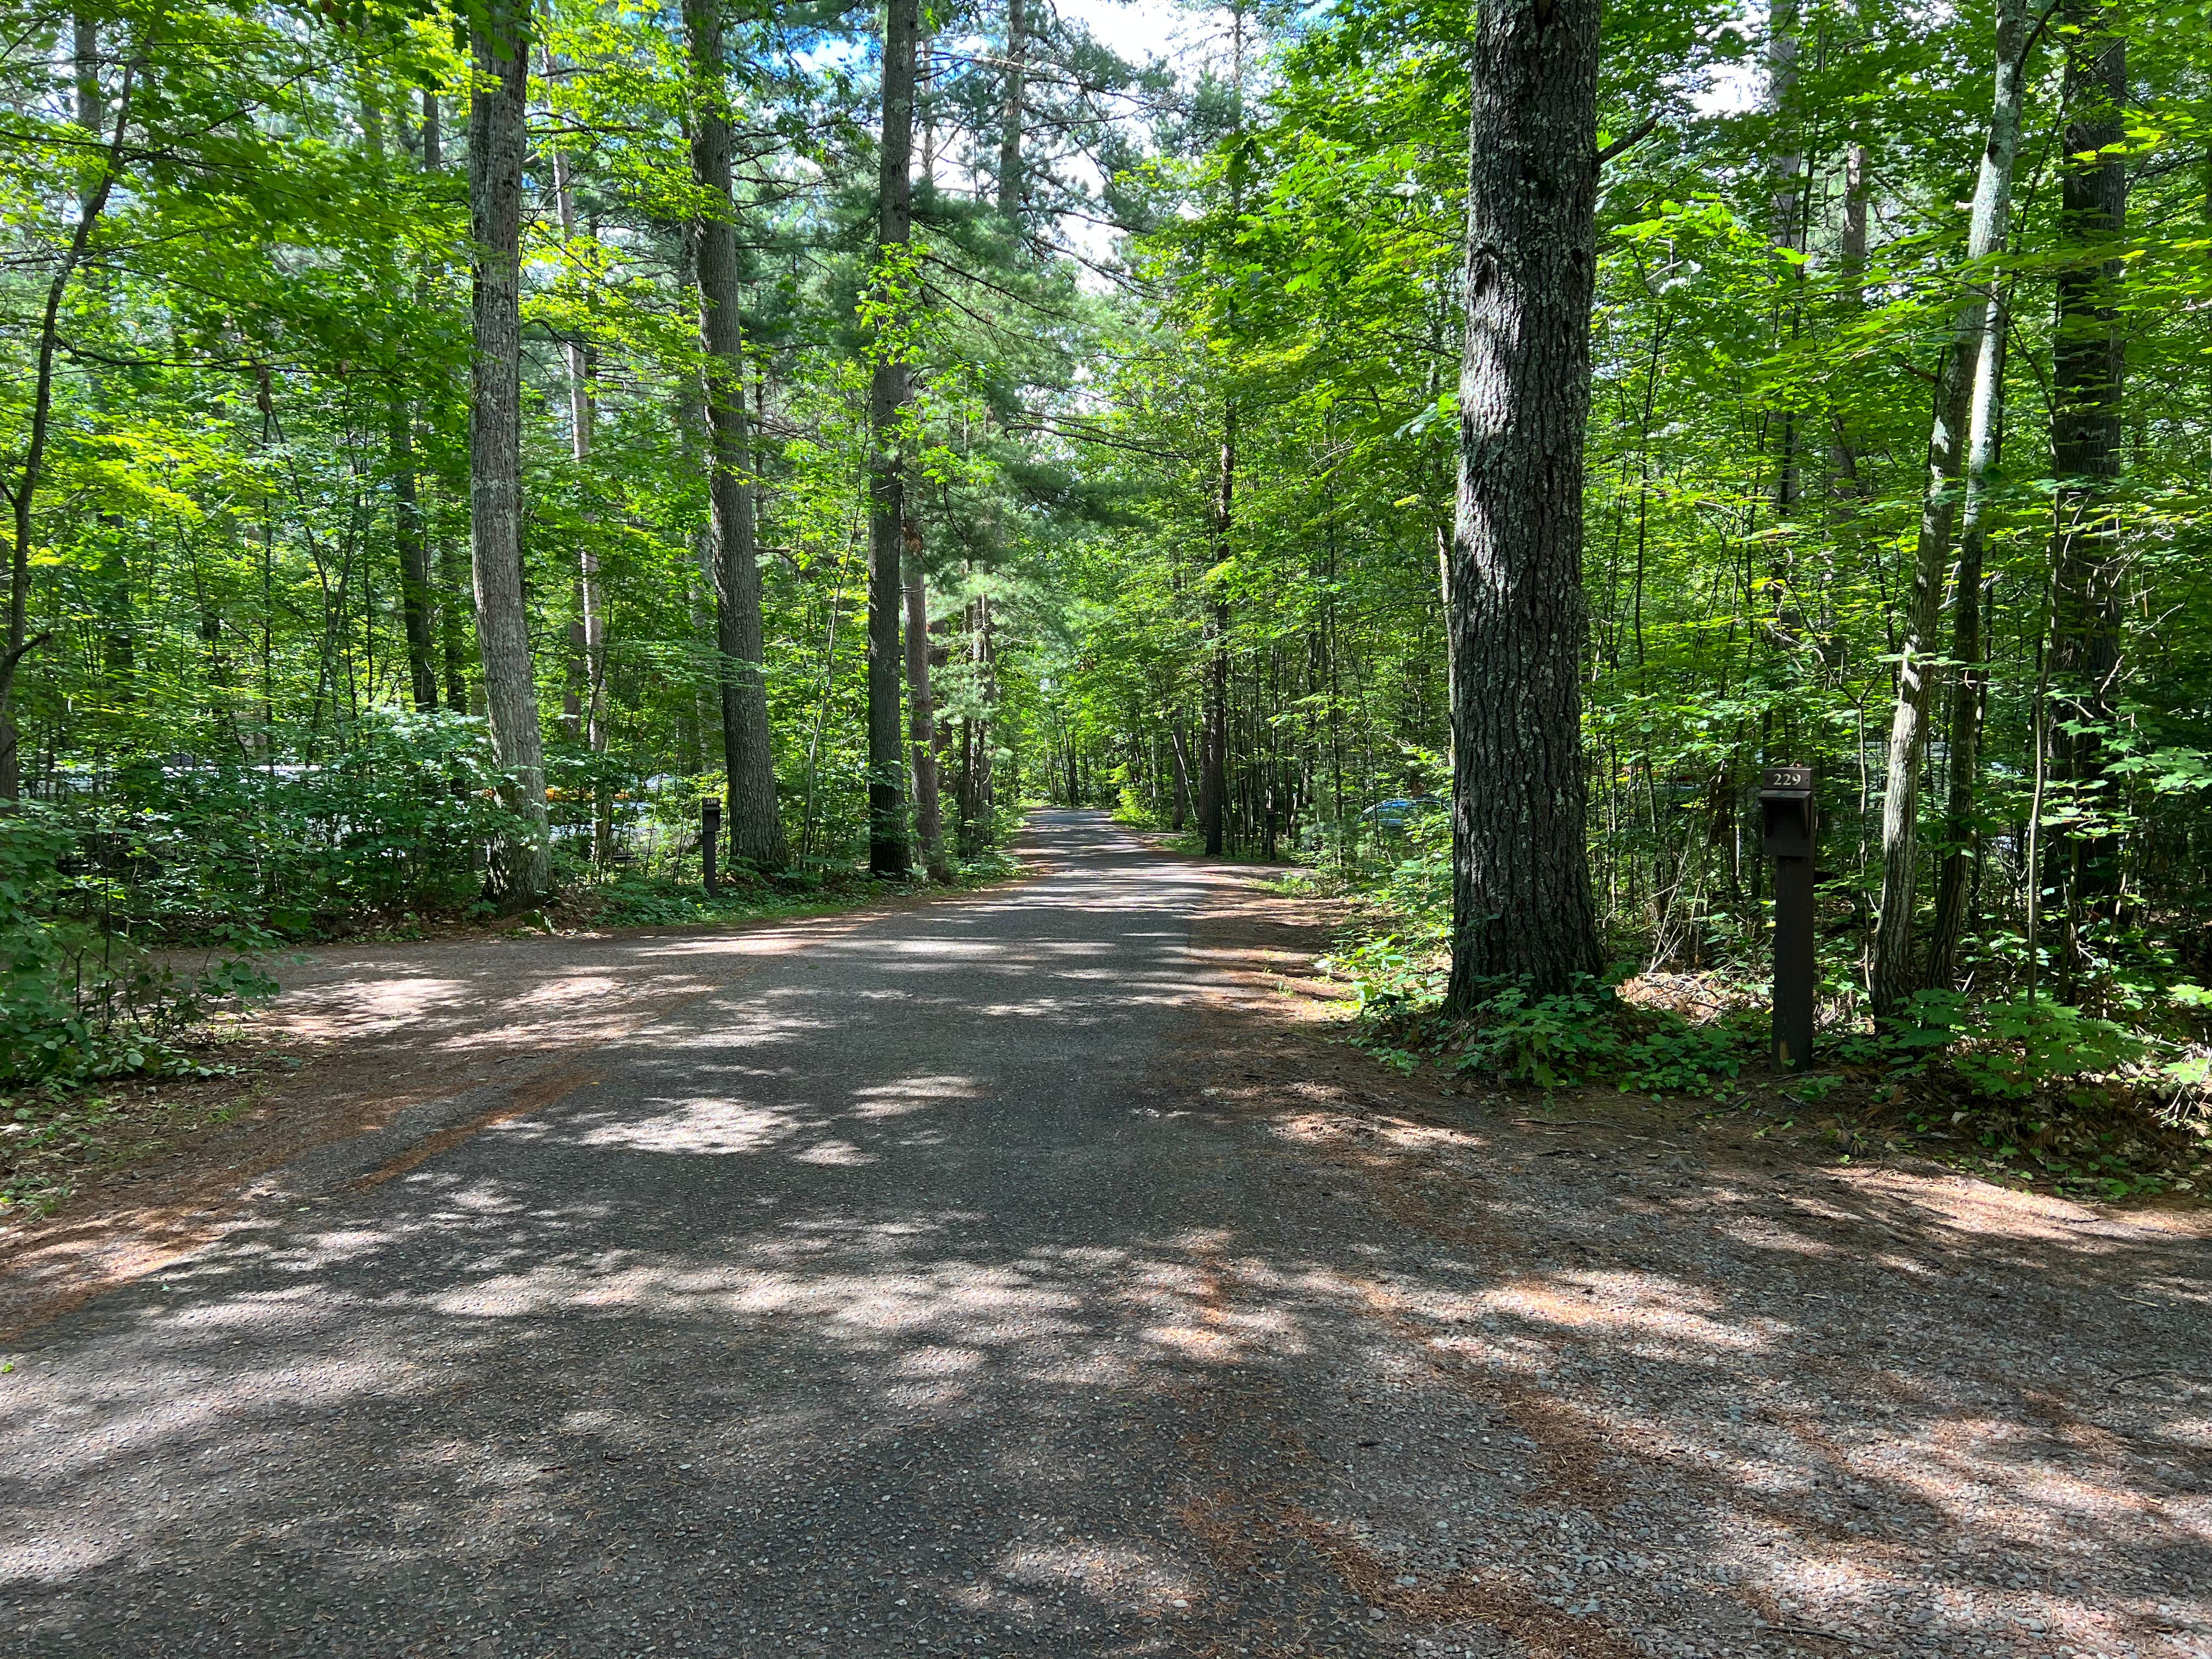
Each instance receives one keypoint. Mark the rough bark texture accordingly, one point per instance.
(1521, 906)
(1895, 975)
(1844, 484)
(1851, 251)
(2089, 361)
(522, 867)
(888, 395)
(922, 713)
(756, 829)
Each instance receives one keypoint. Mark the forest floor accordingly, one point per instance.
(1033, 1272)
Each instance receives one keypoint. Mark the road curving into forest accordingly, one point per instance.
(1020, 1275)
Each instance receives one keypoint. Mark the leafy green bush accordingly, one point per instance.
(2016, 1046)
(80, 1000)
(1589, 1035)
(1391, 973)
(393, 819)
(2008, 1050)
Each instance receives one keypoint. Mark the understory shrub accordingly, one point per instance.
(2006, 1050)
(1589, 1035)
(395, 818)
(80, 999)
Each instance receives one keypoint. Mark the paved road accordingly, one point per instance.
(850, 1309)
(997, 1278)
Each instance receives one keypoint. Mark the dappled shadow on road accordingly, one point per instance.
(361, 1034)
(1737, 1402)
(1015, 1279)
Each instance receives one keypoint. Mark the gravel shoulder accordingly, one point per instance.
(1029, 1273)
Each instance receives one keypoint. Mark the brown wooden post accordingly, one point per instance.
(1787, 801)
(710, 836)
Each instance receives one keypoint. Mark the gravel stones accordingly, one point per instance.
(911, 1294)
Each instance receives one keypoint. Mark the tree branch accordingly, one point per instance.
(1635, 135)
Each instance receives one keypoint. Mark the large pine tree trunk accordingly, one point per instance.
(755, 827)
(1521, 906)
(1895, 976)
(889, 393)
(522, 868)
(2089, 360)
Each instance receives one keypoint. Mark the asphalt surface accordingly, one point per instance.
(1016, 1275)
(868, 1305)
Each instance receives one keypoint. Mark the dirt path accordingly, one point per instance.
(1025, 1274)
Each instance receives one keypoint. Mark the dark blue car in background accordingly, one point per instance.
(1392, 816)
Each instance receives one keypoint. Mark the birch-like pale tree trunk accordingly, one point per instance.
(1214, 752)
(522, 867)
(1182, 808)
(1894, 975)
(453, 579)
(921, 715)
(1985, 430)
(583, 415)
(755, 827)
